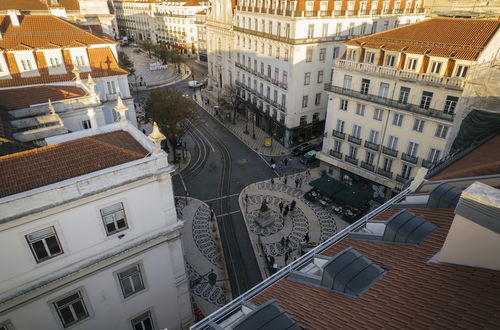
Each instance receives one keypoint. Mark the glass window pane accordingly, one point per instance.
(79, 309)
(127, 286)
(110, 227)
(40, 250)
(136, 279)
(66, 315)
(53, 245)
(67, 300)
(40, 234)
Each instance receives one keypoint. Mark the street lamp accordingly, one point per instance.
(211, 279)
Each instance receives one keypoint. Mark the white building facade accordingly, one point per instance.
(393, 99)
(100, 250)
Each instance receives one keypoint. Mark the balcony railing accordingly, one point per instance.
(401, 179)
(351, 160)
(292, 41)
(371, 145)
(275, 82)
(385, 173)
(260, 95)
(432, 79)
(338, 134)
(390, 103)
(367, 166)
(409, 158)
(316, 13)
(389, 151)
(354, 139)
(426, 163)
(336, 154)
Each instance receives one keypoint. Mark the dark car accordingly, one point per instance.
(302, 149)
(308, 157)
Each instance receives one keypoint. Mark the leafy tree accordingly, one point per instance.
(147, 46)
(164, 54)
(174, 113)
(125, 61)
(231, 100)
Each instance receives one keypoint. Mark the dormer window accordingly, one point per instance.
(369, 57)
(461, 71)
(337, 5)
(26, 64)
(390, 60)
(436, 67)
(412, 64)
(54, 62)
(351, 54)
(309, 5)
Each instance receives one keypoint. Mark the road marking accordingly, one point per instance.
(214, 199)
(183, 184)
(211, 147)
(223, 215)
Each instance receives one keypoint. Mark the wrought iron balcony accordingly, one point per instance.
(389, 151)
(367, 166)
(338, 134)
(335, 154)
(390, 103)
(351, 160)
(409, 158)
(426, 163)
(401, 179)
(354, 139)
(371, 145)
(385, 173)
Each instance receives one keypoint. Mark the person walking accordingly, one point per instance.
(296, 182)
(292, 205)
(285, 212)
(272, 181)
(285, 180)
(308, 172)
(285, 162)
(281, 207)
(287, 242)
(306, 238)
(283, 241)
(286, 258)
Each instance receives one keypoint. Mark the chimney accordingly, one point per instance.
(13, 16)
(474, 236)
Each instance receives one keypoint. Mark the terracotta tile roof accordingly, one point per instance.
(443, 37)
(484, 160)
(36, 31)
(43, 166)
(38, 5)
(413, 294)
(18, 98)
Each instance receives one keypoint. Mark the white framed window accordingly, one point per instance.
(392, 142)
(337, 146)
(309, 54)
(283, 100)
(351, 55)
(305, 99)
(310, 31)
(450, 104)
(344, 104)
(347, 82)
(390, 60)
(143, 322)
(111, 87)
(324, 30)
(387, 164)
(365, 86)
(114, 218)
(462, 71)
(383, 90)
(286, 55)
(351, 28)
(373, 137)
(322, 54)
(397, 119)
(44, 244)
(317, 99)
(353, 151)
(54, 62)
(26, 64)
(307, 78)
(337, 5)
(369, 157)
(374, 24)
(309, 5)
(131, 280)
(362, 30)
(86, 124)
(412, 149)
(71, 309)
(369, 57)
(80, 60)
(360, 109)
(441, 131)
(356, 130)
(340, 125)
(285, 77)
(425, 101)
(404, 94)
(436, 67)
(378, 114)
(433, 155)
(406, 171)
(418, 125)
(412, 64)
(320, 77)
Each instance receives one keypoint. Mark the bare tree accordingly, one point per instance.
(231, 101)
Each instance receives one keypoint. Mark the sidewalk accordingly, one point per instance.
(238, 130)
(202, 255)
(307, 218)
(152, 79)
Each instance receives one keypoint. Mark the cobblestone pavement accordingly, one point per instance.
(287, 232)
(202, 254)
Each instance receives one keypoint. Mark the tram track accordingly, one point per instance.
(202, 151)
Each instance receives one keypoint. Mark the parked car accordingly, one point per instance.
(194, 84)
(303, 148)
(308, 157)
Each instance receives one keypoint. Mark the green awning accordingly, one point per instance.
(328, 185)
(353, 196)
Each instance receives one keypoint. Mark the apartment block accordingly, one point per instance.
(394, 95)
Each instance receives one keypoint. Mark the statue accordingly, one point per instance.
(264, 218)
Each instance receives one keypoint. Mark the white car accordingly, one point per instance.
(194, 84)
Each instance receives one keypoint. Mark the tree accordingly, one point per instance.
(174, 113)
(147, 46)
(231, 100)
(161, 52)
(125, 61)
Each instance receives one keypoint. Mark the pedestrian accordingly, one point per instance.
(286, 258)
(307, 237)
(272, 181)
(287, 242)
(246, 198)
(308, 172)
(285, 212)
(296, 182)
(283, 241)
(292, 205)
(272, 161)
(281, 207)
(300, 182)
(285, 180)
(212, 214)
(285, 162)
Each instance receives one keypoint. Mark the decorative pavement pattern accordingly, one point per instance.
(202, 235)
(213, 294)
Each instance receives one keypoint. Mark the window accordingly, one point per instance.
(462, 71)
(337, 146)
(269, 71)
(71, 309)
(44, 244)
(363, 28)
(404, 93)
(287, 30)
(276, 73)
(80, 60)
(390, 60)
(347, 81)
(433, 156)
(275, 96)
(270, 53)
(406, 171)
(315, 117)
(425, 101)
(310, 31)
(351, 28)
(262, 67)
(26, 65)
(111, 87)
(6, 325)
(131, 281)
(378, 114)
(412, 149)
(374, 25)
(114, 218)
(373, 137)
(418, 125)
(86, 124)
(320, 76)
(317, 99)
(303, 121)
(277, 53)
(397, 120)
(283, 100)
(54, 62)
(343, 104)
(387, 164)
(309, 54)
(369, 157)
(324, 31)
(392, 142)
(336, 52)
(450, 104)
(365, 86)
(351, 55)
(436, 67)
(353, 151)
(360, 109)
(307, 78)
(143, 322)
(286, 55)
(340, 125)
(338, 29)
(383, 90)
(285, 77)
(356, 131)
(268, 92)
(441, 131)
(305, 99)
(278, 29)
(270, 24)
(369, 57)
(412, 64)
(322, 54)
